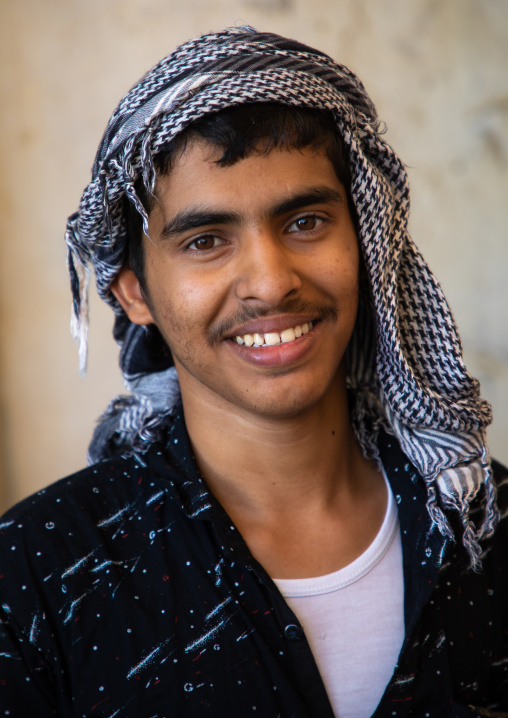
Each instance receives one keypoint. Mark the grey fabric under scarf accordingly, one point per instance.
(406, 371)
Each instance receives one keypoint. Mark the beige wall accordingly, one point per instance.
(437, 70)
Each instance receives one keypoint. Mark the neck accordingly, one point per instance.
(298, 488)
(267, 464)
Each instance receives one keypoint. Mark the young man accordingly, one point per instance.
(294, 512)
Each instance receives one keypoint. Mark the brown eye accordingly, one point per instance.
(305, 224)
(208, 241)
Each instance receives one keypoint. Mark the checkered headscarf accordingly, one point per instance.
(406, 368)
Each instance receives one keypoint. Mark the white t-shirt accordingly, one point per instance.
(354, 620)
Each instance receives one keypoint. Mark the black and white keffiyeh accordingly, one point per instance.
(406, 368)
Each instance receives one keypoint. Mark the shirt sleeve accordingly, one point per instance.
(26, 684)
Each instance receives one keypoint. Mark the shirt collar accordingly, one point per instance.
(424, 548)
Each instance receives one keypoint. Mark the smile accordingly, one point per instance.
(271, 339)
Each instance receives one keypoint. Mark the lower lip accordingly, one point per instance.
(280, 355)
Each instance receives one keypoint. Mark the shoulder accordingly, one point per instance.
(84, 493)
(113, 482)
(59, 544)
(86, 512)
(473, 606)
(49, 529)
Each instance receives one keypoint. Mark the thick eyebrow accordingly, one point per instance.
(315, 195)
(194, 217)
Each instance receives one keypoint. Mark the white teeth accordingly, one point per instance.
(288, 335)
(274, 338)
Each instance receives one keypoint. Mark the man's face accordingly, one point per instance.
(260, 252)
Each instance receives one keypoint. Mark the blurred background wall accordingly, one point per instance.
(437, 71)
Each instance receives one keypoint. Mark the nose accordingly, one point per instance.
(268, 272)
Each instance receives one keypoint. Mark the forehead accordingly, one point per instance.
(262, 178)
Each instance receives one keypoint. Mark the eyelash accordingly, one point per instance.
(197, 239)
(312, 215)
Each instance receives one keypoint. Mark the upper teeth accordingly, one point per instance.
(273, 338)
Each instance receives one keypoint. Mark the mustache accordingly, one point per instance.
(245, 314)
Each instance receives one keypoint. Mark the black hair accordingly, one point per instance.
(239, 132)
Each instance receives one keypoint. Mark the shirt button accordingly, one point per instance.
(293, 632)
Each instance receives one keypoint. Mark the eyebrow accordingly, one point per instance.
(194, 217)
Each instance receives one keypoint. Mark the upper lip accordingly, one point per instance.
(266, 325)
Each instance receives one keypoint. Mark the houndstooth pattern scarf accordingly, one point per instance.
(406, 371)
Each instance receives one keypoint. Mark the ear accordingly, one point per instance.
(127, 290)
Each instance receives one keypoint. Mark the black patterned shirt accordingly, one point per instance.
(127, 592)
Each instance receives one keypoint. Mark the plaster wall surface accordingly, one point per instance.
(436, 70)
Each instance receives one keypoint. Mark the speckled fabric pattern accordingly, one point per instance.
(405, 370)
(126, 591)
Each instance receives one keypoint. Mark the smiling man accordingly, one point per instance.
(293, 513)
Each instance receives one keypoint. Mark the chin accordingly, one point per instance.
(284, 405)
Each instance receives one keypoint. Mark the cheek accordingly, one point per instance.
(340, 275)
(185, 306)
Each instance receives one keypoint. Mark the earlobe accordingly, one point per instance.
(127, 291)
